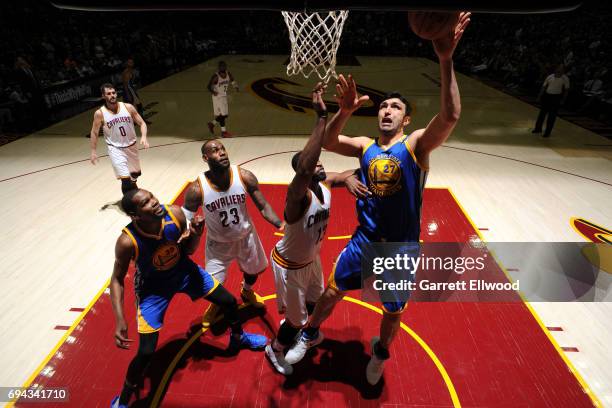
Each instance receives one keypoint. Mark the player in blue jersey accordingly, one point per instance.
(394, 166)
(160, 240)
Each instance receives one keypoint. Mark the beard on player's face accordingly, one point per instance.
(219, 164)
(319, 176)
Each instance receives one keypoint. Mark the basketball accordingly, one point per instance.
(431, 25)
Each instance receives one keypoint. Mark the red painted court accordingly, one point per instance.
(449, 354)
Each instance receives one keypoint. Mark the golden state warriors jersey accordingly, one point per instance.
(393, 211)
(118, 127)
(302, 240)
(227, 218)
(159, 260)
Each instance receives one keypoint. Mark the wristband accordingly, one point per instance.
(188, 214)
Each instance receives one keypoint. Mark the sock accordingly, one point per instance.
(311, 332)
(380, 352)
(248, 281)
(223, 129)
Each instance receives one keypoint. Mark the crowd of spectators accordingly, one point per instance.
(44, 47)
(520, 51)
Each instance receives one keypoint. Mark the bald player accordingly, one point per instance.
(222, 193)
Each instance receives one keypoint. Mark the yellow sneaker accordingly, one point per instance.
(251, 297)
(211, 316)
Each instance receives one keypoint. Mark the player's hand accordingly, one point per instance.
(346, 94)
(93, 158)
(194, 227)
(445, 46)
(282, 226)
(121, 336)
(144, 142)
(317, 100)
(197, 225)
(356, 187)
(214, 93)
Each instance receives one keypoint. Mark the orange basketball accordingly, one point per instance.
(431, 25)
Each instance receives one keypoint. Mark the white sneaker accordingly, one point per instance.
(278, 361)
(299, 349)
(375, 367)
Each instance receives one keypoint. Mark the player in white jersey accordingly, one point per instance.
(218, 86)
(117, 120)
(222, 192)
(295, 258)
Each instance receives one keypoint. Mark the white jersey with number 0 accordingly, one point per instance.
(225, 212)
(118, 127)
(302, 240)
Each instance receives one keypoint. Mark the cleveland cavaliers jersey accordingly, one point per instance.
(393, 211)
(160, 260)
(222, 84)
(302, 240)
(225, 212)
(118, 127)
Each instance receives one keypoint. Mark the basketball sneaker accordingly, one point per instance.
(277, 358)
(299, 349)
(226, 134)
(211, 316)
(211, 128)
(248, 340)
(375, 367)
(251, 297)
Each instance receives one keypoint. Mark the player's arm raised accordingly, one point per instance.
(141, 123)
(252, 186)
(93, 134)
(193, 199)
(440, 127)
(307, 164)
(124, 252)
(191, 230)
(348, 101)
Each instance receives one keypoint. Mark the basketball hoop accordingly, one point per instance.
(315, 38)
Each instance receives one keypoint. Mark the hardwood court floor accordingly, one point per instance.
(58, 248)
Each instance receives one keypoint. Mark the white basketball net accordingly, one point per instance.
(315, 38)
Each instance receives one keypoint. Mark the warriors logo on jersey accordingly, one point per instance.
(384, 175)
(166, 256)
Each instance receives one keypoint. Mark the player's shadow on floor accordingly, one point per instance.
(200, 352)
(338, 361)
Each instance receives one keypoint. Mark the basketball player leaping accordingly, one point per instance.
(222, 193)
(295, 258)
(218, 85)
(394, 166)
(159, 241)
(117, 121)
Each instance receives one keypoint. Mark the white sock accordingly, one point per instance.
(223, 129)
